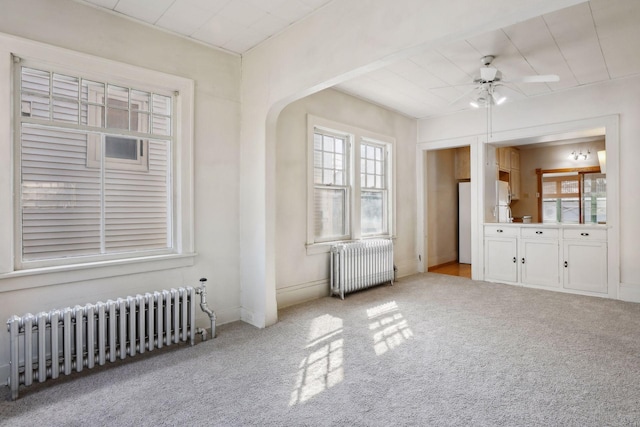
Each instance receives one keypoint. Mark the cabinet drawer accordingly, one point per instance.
(542, 233)
(584, 234)
(500, 231)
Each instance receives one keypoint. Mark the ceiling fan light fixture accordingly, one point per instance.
(498, 98)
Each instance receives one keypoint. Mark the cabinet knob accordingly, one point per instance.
(566, 264)
(523, 260)
(538, 232)
(584, 234)
(499, 231)
(514, 259)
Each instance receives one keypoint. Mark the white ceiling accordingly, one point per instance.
(588, 43)
(234, 25)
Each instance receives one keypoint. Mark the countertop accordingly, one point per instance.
(547, 225)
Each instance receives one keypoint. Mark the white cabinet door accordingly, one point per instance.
(500, 259)
(585, 265)
(540, 262)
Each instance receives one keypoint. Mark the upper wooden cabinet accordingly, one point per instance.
(463, 163)
(504, 159)
(509, 163)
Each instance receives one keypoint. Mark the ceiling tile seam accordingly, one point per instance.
(410, 95)
(525, 58)
(454, 64)
(595, 28)
(163, 13)
(546, 24)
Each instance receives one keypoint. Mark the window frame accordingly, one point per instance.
(357, 136)
(95, 68)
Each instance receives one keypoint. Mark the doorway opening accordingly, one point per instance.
(448, 207)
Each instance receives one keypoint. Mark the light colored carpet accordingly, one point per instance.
(430, 350)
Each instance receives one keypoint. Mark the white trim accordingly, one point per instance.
(102, 70)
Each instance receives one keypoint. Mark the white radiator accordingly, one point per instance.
(359, 265)
(48, 344)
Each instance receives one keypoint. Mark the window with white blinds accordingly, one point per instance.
(350, 183)
(94, 168)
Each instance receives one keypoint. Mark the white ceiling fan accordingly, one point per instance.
(485, 91)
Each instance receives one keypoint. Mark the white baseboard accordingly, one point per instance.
(302, 292)
(629, 292)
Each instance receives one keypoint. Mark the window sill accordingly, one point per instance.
(47, 276)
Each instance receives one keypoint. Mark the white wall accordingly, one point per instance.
(301, 276)
(620, 97)
(216, 75)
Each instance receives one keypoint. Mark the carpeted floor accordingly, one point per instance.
(430, 350)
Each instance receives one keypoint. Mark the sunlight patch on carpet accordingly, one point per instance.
(390, 328)
(322, 368)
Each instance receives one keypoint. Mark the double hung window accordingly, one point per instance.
(350, 183)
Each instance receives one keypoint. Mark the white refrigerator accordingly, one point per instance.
(464, 222)
(503, 211)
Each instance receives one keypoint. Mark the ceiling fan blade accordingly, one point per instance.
(488, 74)
(546, 78)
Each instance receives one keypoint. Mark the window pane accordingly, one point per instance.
(372, 208)
(60, 195)
(317, 159)
(92, 92)
(317, 176)
(140, 100)
(65, 86)
(328, 160)
(121, 148)
(328, 143)
(140, 122)
(161, 105)
(92, 115)
(161, 125)
(35, 81)
(317, 141)
(118, 96)
(329, 213)
(65, 111)
(118, 119)
(339, 145)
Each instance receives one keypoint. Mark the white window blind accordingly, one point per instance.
(95, 167)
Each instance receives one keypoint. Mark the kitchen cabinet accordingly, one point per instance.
(509, 169)
(463, 163)
(540, 257)
(573, 259)
(514, 184)
(585, 260)
(504, 158)
(501, 253)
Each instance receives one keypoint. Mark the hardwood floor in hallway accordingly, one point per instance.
(452, 269)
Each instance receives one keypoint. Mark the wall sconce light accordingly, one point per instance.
(602, 159)
(575, 155)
